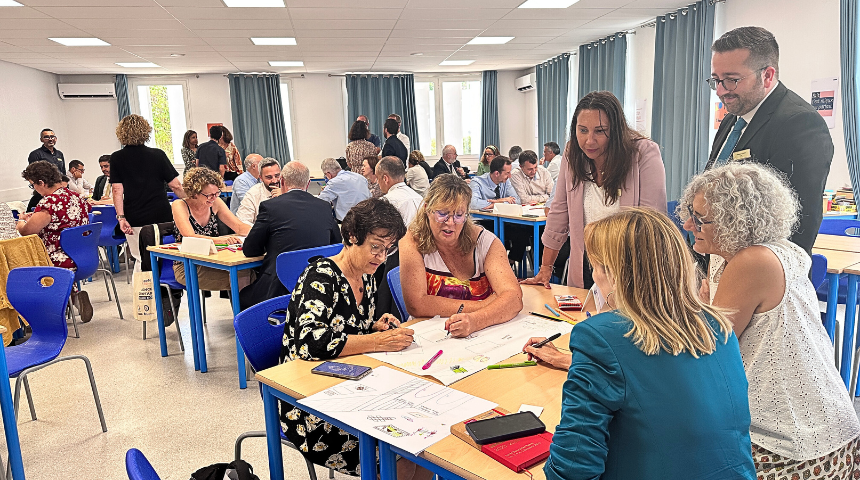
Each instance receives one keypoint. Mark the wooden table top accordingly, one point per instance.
(837, 242)
(223, 257)
(490, 213)
(539, 386)
(838, 260)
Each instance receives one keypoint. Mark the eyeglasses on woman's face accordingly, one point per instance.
(211, 196)
(697, 221)
(443, 216)
(377, 249)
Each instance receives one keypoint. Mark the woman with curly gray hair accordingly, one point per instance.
(803, 422)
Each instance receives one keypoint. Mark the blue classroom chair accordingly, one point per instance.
(835, 226)
(261, 340)
(107, 218)
(138, 467)
(167, 279)
(81, 245)
(40, 295)
(397, 292)
(290, 265)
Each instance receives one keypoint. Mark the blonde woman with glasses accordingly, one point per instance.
(447, 262)
(655, 387)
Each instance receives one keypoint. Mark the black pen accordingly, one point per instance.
(540, 344)
(459, 310)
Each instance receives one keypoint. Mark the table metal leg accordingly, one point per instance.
(536, 250)
(501, 227)
(832, 297)
(367, 455)
(156, 294)
(387, 462)
(848, 329)
(10, 424)
(194, 291)
(234, 298)
(273, 435)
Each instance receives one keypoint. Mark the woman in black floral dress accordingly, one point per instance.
(331, 315)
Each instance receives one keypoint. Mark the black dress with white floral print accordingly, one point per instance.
(321, 315)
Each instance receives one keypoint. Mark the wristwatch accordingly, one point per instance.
(120, 217)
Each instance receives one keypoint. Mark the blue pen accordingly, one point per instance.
(551, 310)
(587, 314)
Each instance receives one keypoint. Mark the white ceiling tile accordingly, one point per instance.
(507, 4)
(439, 33)
(352, 13)
(25, 12)
(571, 13)
(433, 24)
(198, 16)
(301, 33)
(339, 4)
(137, 13)
(87, 3)
(461, 14)
(44, 25)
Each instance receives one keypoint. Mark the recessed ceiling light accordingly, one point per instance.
(448, 63)
(489, 40)
(287, 64)
(273, 40)
(547, 3)
(177, 54)
(10, 3)
(416, 54)
(81, 42)
(255, 3)
(137, 64)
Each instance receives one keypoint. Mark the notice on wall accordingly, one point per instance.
(824, 98)
(720, 113)
(641, 115)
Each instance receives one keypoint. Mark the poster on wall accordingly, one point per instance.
(824, 98)
(720, 113)
(641, 115)
(210, 125)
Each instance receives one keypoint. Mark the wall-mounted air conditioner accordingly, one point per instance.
(86, 90)
(525, 83)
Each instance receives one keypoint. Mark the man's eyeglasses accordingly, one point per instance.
(377, 249)
(697, 222)
(52, 137)
(442, 217)
(730, 84)
(212, 196)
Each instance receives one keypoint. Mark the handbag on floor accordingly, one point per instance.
(143, 302)
(237, 470)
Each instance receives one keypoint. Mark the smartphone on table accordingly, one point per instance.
(342, 370)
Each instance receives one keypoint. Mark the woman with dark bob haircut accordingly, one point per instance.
(332, 314)
(358, 146)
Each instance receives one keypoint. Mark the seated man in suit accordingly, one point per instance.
(102, 193)
(494, 187)
(393, 146)
(343, 189)
(448, 163)
(294, 220)
(269, 187)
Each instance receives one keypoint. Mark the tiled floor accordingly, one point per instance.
(181, 419)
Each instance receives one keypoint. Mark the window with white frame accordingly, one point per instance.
(286, 96)
(164, 105)
(449, 113)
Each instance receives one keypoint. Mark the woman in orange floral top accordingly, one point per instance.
(446, 262)
(234, 160)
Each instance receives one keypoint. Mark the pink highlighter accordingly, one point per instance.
(430, 362)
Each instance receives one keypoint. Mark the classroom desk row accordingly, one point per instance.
(500, 220)
(450, 458)
(229, 261)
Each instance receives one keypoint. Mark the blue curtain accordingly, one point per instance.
(552, 78)
(123, 107)
(602, 65)
(849, 22)
(681, 111)
(258, 115)
(378, 96)
(489, 109)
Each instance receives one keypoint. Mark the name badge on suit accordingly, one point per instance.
(741, 155)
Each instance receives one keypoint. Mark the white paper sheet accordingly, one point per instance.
(400, 409)
(462, 357)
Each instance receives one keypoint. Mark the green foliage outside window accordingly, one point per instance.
(467, 145)
(161, 119)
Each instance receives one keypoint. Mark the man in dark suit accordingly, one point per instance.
(768, 123)
(448, 163)
(294, 220)
(393, 146)
(102, 190)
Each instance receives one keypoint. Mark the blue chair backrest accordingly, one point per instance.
(397, 291)
(81, 245)
(108, 220)
(834, 226)
(260, 339)
(228, 182)
(290, 265)
(138, 467)
(43, 306)
(819, 269)
(166, 265)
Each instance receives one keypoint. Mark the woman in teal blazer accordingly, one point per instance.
(656, 388)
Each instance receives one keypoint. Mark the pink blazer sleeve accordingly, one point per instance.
(652, 176)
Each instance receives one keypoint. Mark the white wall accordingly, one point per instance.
(808, 37)
(29, 102)
(319, 119)
(91, 126)
(514, 118)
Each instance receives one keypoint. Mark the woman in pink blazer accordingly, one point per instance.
(608, 167)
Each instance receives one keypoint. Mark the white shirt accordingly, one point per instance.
(79, 185)
(533, 190)
(594, 204)
(748, 118)
(403, 138)
(405, 200)
(250, 206)
(554, 167)
(416, 177)
(799, 407)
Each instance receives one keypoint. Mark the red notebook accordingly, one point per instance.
(520, 453)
